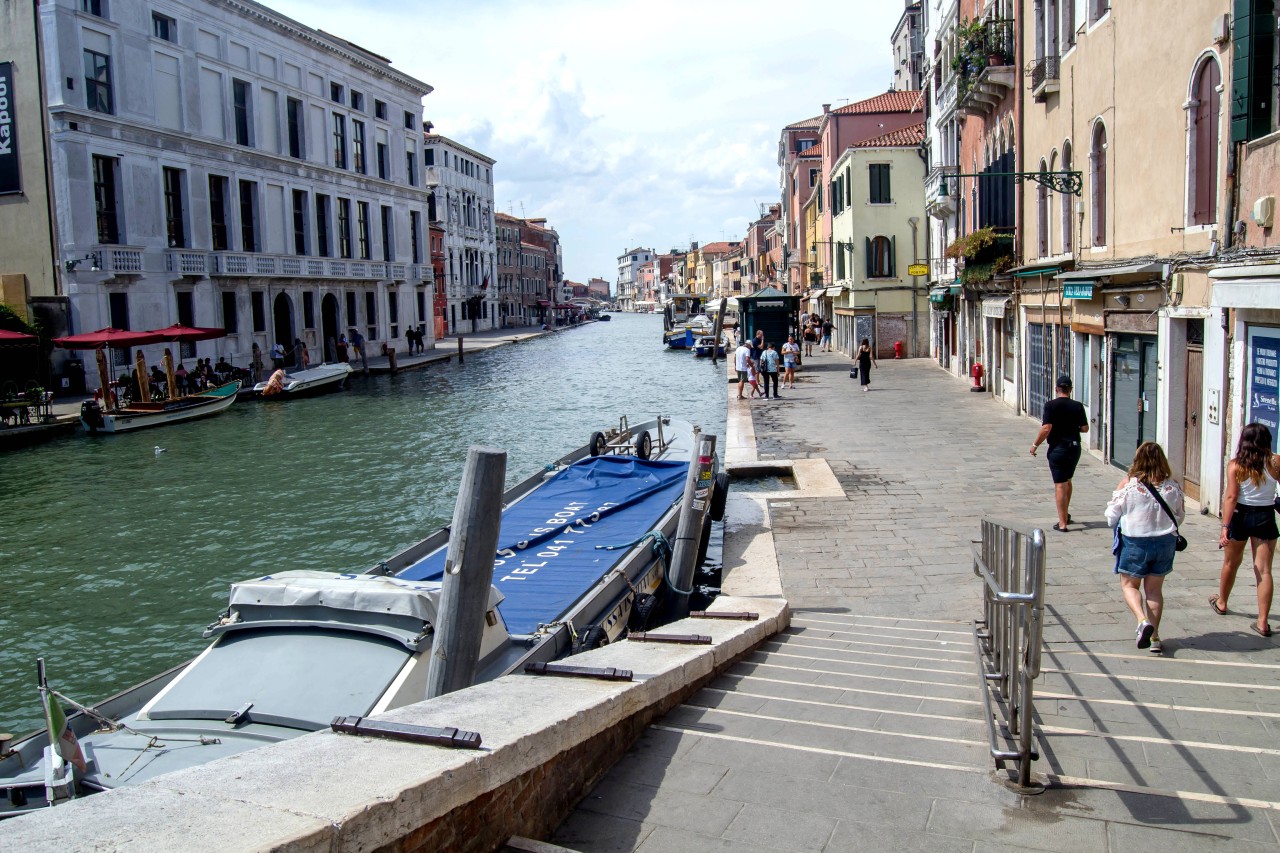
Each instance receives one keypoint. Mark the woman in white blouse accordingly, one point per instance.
(1147, 538)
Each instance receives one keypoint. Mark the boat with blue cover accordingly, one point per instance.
(580, 561)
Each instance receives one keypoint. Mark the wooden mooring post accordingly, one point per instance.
(468, 572)
(460, 357)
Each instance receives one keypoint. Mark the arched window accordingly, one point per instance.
(1098, 184)
(1042, 214)
(1068, 203)
(1205, 106)
(880, 257)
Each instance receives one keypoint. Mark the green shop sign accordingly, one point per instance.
(1078, 291)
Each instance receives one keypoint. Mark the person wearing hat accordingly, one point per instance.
(1063, 421)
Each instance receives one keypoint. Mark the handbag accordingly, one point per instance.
(853, 371)
(1181, 541)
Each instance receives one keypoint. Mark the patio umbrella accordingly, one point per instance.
(15, 337)
(179, 332)
(108, 338)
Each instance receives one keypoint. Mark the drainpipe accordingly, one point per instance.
(914, 222)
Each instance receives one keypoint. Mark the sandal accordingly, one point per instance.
(1264, 631)
(1213, 602)
(1061, 529)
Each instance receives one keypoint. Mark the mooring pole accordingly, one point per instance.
(698, 485)
(468, 572)
(459, 349)
(719, 330)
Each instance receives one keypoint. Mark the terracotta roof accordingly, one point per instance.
(889, 102)
(811, 151)
(805, 124)
(902, 137)
(719, 248)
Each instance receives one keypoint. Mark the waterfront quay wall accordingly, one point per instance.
(546, 742)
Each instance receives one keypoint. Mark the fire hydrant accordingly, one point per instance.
(976, 372)
(898, 349)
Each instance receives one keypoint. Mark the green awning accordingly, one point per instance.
(1050, 271)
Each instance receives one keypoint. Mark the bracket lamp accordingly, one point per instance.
(92, 258)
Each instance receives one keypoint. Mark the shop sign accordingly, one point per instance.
(918, 269)
(1078, 291)
(10, 179)
(1263, 405)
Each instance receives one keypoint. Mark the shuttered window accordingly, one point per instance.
(878, 174)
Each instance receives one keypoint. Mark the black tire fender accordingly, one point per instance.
(593, 638)
(597, 444)
(719, 496)
(642, 610)
(644, 446)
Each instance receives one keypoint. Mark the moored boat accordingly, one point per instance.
(293, 650)
(703, 346)
(311, 382)
(139, 415)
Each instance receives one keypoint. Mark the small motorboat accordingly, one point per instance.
(138, 415)
(605, 317)
(320, 379)
(575, 568)
(703, 346)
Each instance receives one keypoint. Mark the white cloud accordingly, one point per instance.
(625, 122)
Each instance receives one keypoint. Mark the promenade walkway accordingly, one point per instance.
(860, 728)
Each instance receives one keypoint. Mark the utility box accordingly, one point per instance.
(770, 310)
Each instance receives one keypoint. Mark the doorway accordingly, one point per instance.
(282, 318)
(329, 326)
(1195, 390)
(1133, 396)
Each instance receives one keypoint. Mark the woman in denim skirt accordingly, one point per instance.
(1147, 538)
(1247, 510)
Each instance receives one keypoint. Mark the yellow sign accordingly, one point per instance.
(918, 269)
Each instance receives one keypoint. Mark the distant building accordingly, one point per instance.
(598, 288)
(628, 264)
(462, 192)
(908, 49)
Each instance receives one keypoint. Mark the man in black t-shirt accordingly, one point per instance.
(1063, 421)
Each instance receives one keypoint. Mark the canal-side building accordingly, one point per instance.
(798, 173)
(461, 181)
(628, 265)
(908, 48)
(507, 247)
(218, 164)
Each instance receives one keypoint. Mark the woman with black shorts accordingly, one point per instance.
(1248, 508)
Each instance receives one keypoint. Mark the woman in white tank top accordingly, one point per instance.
(1249, 516)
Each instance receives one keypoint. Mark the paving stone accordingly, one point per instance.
(1017, 827)
(588, 832)
(785, 830)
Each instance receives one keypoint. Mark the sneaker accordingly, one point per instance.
(1144, 632)
(1157, 647)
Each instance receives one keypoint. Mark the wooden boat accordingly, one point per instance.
(141, 415)
(311, 382)
(293, 650)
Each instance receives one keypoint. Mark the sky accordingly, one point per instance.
(625, 124)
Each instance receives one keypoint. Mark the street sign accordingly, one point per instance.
(1077, 291)
(918, 269)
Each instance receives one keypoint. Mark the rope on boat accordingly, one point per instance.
(661, 548)
(111, 725)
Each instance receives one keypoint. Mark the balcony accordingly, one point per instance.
(939, 204)
(221, 264)
(982, 63)
(947, 95)
(1044, 77)
(186, 262)
(120, 260)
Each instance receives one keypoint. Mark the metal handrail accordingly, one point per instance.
(1008, 638)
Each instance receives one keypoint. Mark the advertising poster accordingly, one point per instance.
(10, 179)
(1263, 366)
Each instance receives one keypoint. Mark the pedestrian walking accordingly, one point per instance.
(742, 363)
(1063, 421)
(809, 337)
(1248, 510)
(790, 352)
(357, 345)
(769, 363)
(865, 359)
(753, 379)
(1146, 510)
(826, 335)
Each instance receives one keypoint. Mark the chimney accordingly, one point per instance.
(826, 108)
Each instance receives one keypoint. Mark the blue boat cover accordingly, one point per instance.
(546, 555)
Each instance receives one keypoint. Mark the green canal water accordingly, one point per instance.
(115, 558)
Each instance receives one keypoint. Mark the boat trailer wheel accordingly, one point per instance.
(598, 444)
(644, 445)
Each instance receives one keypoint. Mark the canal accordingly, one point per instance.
(116, 557)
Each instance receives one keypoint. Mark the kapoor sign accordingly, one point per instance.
(10, 178)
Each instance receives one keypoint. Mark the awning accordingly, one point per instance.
(834, 291)
(939, 294)
(994, 306)
(1096, 273)
(542, 303)
(1255, 286)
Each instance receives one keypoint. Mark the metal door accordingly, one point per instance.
(1133, 396)
(1191, 452)
(1039, 385)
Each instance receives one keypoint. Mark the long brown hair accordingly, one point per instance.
(1150, 465)
(1253, 452)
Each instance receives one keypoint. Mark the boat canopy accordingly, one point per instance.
(548, 554)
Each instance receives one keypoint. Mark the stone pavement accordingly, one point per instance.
(861, 727)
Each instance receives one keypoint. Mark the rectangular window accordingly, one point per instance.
(408, 120)
(93, 7)
(97, 82)
(230, 322)
(371, 313)
(335, 92)
(411, 168)
(382, 161)
(118, 310)
(813, 177)
(351, 309)
(413, 236)
(258, 302)
(293, 110)
(186, 308)
(393, 312)
(878, 173)
(357, 100)
(357, 147)
(380, 109)
(174, 214)
(163, 27)
(430, 157)
(362, 229)
(422, 305)
(322, 226)
(299, 222)
(104, 199)
(339, 141)
(344, 227)
(308, 310)
(240, 109)
(218, 213)
(249, 216)
(386, 234)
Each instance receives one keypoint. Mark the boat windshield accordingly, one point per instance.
(295, 677)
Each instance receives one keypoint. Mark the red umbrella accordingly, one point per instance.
(179, 332)
(108, 338)
(6, 335)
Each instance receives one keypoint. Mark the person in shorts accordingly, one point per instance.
(1248, 510)
(790, 352)
(827, 328)
(1063, 421)
(1147, 537)
(742, 363)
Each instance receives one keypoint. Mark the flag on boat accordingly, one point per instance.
(61, 736)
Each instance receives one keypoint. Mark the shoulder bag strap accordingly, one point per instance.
(1155, 494)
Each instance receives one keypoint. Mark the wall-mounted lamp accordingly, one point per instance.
(92, 258)
(1122, 299)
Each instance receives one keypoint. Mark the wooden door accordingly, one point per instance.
(1191, 445)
